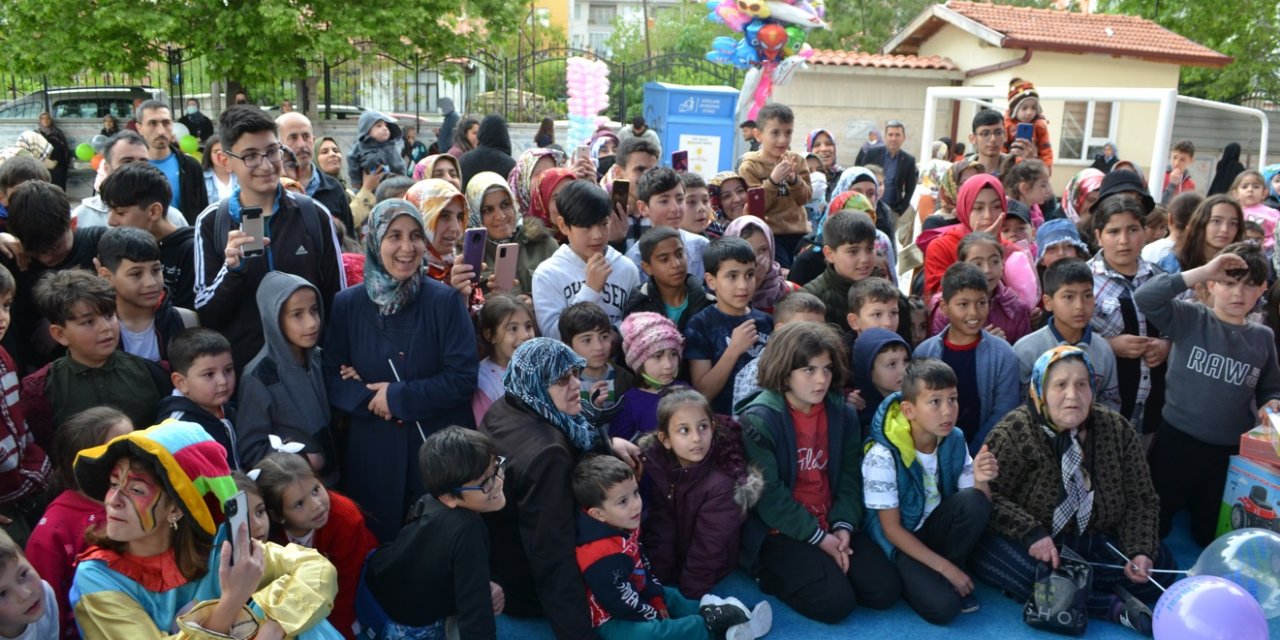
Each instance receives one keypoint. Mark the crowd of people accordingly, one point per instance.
(454, 382)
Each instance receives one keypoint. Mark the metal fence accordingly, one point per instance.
(526, 87)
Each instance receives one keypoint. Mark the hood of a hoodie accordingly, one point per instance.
(865, 349)
(368, 118)
(892, 429)
(446, 106)
(493, 133)
(301, 383)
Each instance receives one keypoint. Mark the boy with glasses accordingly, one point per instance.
(436, 573)
(988, 140)
(300, 236)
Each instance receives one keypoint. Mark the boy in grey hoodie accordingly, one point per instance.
(379, 142)
(282, 390)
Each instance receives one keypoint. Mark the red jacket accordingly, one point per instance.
(56, 542)
(1040, 138)
(619, 581)
(346, 542)
(24, 468)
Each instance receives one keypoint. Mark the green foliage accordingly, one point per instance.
(866, 25)
(251, 41)
(1247, 30)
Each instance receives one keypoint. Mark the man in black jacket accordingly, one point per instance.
(900, 173)
(197, 123)
(296, 133)
(155, 123)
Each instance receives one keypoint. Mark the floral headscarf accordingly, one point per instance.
(535, 366)
(521, 178)
(427, 165)
(478, 188)
(933, 172)
(835, 167)
(598, 141)
(1040, 374)
(774, 286)
(1268, 173)
(389, 294)
(714, 185)
(854, 175)
(431, 196)
(544, 186)
(852, 201)
(1085, 183)
(949, 187)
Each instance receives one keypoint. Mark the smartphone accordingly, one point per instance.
(236, 509)
(473, 249)
(621, 192)
(505, 270)
(583, 153)
(1026, 130)
(251, 223)
(755, 202)
(680, 161)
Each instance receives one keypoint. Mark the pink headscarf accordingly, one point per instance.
(774, 286)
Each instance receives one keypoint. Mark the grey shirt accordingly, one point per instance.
(1034, 344)
(1219, 373)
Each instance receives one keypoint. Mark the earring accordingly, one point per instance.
(173, 524)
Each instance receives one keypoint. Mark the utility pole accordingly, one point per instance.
(648, 46)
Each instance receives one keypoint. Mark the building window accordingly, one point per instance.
(597, 42)
(602, 16)
(1086, 126)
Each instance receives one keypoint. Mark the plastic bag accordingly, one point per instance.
(1058, 597)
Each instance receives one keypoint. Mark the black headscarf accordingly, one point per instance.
(1228, 168)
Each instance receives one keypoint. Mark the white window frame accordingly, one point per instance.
(1089, 141)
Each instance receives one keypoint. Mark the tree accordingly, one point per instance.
(1243, 29)
(865, 25)
(245, 40)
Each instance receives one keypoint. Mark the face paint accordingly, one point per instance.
(139, 491)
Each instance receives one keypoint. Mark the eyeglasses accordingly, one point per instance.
(490, 483)
(990, 133)
(252, 159)
(573, 372)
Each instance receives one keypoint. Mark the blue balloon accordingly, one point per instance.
(722, 50)
(745, 56)
(751, 32)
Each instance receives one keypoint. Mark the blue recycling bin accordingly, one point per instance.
(697, 119)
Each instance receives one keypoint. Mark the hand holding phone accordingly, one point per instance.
(583, 153)
(473, 242)
(505, 271)
(1026, 131)
(252, 224)
(680, 161)
(237, 511)
(621, 193)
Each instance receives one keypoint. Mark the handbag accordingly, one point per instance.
(1058, 596)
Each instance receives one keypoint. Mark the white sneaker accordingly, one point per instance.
(711, 599)
(761, 617)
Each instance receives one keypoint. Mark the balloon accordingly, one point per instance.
(84, 151)
(189, 144)
(787, 68)
(744, 55)
(1208, 608)
(772, 37)
(1249, 558)
(749, 83)
(795, 14)
(729, 14)
(722, 50)
(180, 131)
(95, 161)
(795, 39)
(98, 142)
(751, 33)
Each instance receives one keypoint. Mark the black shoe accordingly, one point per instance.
(969, 604)
(718, 618)
(1131, 612)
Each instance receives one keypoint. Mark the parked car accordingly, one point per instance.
(80, 103)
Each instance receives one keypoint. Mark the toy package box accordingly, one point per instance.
(1262, 444)
(1251, 497)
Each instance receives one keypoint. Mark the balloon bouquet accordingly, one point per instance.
(1232, 590)
(773, 45)
(588, 84)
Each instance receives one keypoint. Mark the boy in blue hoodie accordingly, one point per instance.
(880, 359)
(282, 391)
(927, 501)
(986, 366)
(379, 142)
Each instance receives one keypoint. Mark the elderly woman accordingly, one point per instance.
(61, 149)
(399, 357)
(156, 569)
(1073, 474)
(541, 427)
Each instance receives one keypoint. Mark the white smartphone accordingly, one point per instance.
(237, 511)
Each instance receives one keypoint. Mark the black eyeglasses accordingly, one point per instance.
(490, 483)
(251, 160)
(573, 372)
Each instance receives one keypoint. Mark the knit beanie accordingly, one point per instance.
(1020, 90)
(646, 333)
(193, 464)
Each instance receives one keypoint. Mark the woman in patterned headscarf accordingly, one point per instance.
(494, 205)
(1081, 193)
(531, 163)
(400, 359)
(1072, 474)
(542, 417)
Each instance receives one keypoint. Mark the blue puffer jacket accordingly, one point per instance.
(892, 430)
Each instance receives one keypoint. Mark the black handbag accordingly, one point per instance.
(1058, 597)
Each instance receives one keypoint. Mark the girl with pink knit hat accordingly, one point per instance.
(653, 348)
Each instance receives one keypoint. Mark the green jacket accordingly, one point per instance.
(833, 290)
(769, 439)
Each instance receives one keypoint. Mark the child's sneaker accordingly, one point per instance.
(969, 603)
(725, 620)
(1130, 611)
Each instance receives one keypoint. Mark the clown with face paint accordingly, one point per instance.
(151, 570)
